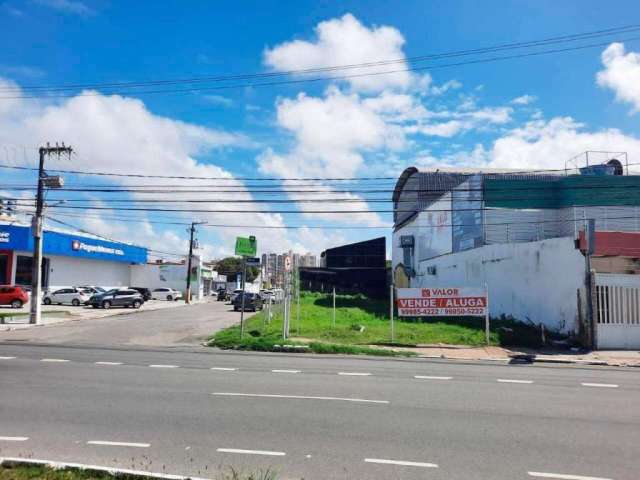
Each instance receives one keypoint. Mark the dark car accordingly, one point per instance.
(13, 295)
(145, 292)
(252, 302)
(222, 295)
(117, 298)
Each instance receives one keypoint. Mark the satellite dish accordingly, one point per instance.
(617, 166)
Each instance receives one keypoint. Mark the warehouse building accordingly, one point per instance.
(523, 236)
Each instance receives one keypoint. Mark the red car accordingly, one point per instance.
(12, 295)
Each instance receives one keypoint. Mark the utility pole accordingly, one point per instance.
(36, 269)
(192, 232)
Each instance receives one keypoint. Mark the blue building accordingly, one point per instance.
(68, 258)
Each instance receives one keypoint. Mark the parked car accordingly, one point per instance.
(252, 302)
(74, 295)
(266, 295)
(13, 295)
(117, 298)
(92, 289)
(145, 292)
(235, 294)
(166, 294)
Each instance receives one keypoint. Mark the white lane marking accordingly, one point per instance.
(54, 360)
(601, 385)
(431, 377)
(14, 439)
(164, 366)
(299, 397)
(251, 452)
(512, 380)
(108, 363)
(224, 369)
(562, 476)
(285, 371)
(401, 462)
(7, 358)
(355, 374)
(118, 444)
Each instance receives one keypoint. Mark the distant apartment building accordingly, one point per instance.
(273, 265)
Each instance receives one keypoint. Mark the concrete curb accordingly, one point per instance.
(14, 461)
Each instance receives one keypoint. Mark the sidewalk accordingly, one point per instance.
(629, 358)
(54, 314)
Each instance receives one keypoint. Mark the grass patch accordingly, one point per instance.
(43, 472)
(362, 322)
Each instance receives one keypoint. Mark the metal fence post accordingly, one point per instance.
(334, 307)
(486, 317)
(391, 313)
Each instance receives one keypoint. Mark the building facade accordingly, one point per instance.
(518, 234)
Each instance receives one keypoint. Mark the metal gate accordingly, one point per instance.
(617, 311)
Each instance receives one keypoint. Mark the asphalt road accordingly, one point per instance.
(182, 326)
(199, 412)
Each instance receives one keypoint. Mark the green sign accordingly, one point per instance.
(246, 247)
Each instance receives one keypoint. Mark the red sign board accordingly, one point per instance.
(431, 302)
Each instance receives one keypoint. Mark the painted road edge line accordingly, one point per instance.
(513, 380)
(54, 360)
(285, 371)
(224, 369)
(83, 466)
(355, 374)
(14, 439)
(601, 385)
(118, 444)
(251, 452)
(108, 363)
(401, 462)
(7, 358)
(562, 476)
(298, 397)
(163, 366)
(431, 377)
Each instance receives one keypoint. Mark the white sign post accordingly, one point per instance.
(439, 302)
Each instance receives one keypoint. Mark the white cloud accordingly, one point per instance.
(621, 74)
(443, 129)
(119, 134)
(75, 7)
(218, 100)
(346, 41)
(445, 87)
(524, 99)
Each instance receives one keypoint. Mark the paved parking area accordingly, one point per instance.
(155, 324)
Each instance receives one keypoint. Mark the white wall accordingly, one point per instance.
(69, 271)
(153, 275)
(535, 281)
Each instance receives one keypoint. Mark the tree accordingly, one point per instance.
(231, 266)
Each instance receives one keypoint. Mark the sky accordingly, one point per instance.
(532, 112)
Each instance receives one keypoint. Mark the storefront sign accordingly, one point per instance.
(5, 237)
(91, 248)
(429, 302)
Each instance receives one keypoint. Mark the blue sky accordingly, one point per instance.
(464, 115)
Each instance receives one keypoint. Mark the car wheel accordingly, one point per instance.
(126, 306)
(47, 301)
(169, 298)
(16, 304)
(136, 304)
(75, 302)
(106, 304)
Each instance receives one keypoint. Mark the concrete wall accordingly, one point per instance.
(153, 275)
(535, 281)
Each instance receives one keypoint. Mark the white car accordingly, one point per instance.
(74, 296)
(165, 294)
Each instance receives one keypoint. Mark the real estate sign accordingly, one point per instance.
(246, 247)
(431, 302)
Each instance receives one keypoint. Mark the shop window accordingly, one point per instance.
(23, 270)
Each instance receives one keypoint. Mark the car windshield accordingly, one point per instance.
(111, 292)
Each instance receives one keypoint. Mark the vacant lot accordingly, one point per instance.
(362, 321)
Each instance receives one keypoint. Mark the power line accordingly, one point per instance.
(253, 76)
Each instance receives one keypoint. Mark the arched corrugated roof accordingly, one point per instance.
(404, 176)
